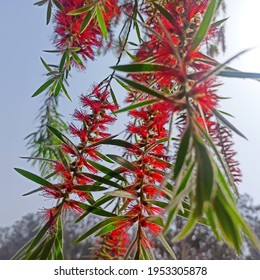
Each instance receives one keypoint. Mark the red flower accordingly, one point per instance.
(67, 28)
(59, 168)
(154, 228)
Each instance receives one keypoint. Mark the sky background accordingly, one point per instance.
(24, 35)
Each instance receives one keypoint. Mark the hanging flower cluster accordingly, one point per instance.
(70, 31)
(94, 117)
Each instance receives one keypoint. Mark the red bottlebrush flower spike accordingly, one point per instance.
(222, 137)
(68, 28)
(154, 228)
(73, 205)
(59, 168)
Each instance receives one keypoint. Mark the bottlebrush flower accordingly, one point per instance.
(113, 245)
(67, 27)
(153, 228)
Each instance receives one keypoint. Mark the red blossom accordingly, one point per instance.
(67, 28)
(59, 168)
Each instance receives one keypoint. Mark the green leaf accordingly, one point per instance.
(123, 85)
(205, 25)
(58, 244)
(63, 159)
(58, 5)
(101, 22)
(205, 176)
(161, 204)
(146, 89)
(62, 61)
(167, 246)
(57, 89)
(219, 22)
(32, 192)
(95, 210)
(77, 59)
(136, 105)
(239, 221)
(187, 228)
(102, 180)
(164, 12)
(121, 193)
(40, 3)
(89, 16)
(94, 229)
(65, 91)
(229, 229)
(38, 236)
(139, 67)
(117, 142)
(123, 162)
(63, 138)
(156, 220)
(47, 249)
(33, 177)
(38, 158)
(219, 116)
(49, 10)
(98, 203)
(43, 87)
(90, 188)
(182, 152)
(179, 193)
(113, 97)
(107, 229)
(82, 10)
(107, 171)
(45, 65)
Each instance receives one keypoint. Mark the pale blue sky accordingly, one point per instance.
(24, 35)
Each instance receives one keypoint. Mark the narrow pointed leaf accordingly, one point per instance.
(205, 176)
(102, 180)
(121, 193)
(228, 124)
(77, 59)
(90, 188)
(139, 68)
(205, 24)
(107, 171)
(45, 65)
(182, 152)
(89, 16)
(94, 229)
(167, 246)
(95, 210)
(49, 11)
(164, 12)
(136, 105)
(107, 229)
(32, 192)
(82, 10)
(145, 89)
(123, 162)
(33, 177)
(43, 87)
(191, 223)
(63, 138)
(58, 5)
(101, 22)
